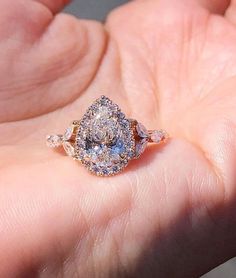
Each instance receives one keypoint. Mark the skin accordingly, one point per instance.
(169, 64)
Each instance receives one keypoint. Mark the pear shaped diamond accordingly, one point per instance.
(105, 141)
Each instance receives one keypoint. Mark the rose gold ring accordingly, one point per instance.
(104, 140)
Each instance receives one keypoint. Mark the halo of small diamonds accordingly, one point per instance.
(104, 141)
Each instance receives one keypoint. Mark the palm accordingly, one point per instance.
(176, 71)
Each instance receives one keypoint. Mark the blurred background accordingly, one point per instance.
(94, 9)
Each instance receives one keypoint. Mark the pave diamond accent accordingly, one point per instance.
(105, 141)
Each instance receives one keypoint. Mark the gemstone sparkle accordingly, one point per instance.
(69, 149)
(105, 141)
(142, 131)
(141, 147)
(158, 135)
(68, 133)
(54, 141)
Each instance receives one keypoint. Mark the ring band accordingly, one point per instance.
(104, 140)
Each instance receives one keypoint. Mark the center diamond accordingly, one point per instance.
(105, 141)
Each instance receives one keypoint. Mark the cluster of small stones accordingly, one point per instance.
(105, 141)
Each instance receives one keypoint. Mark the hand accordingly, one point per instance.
(169, 64)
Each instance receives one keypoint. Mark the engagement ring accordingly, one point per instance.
(104, 140)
